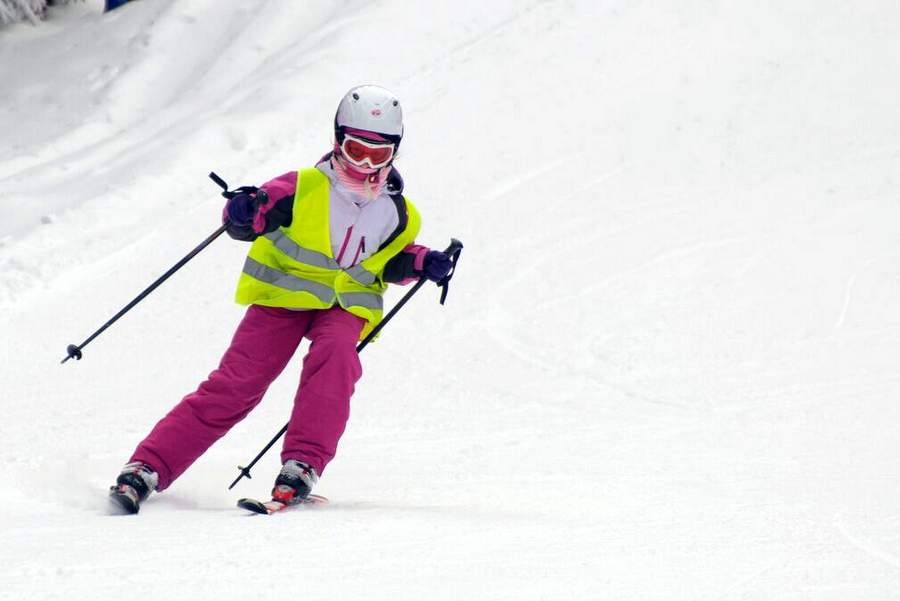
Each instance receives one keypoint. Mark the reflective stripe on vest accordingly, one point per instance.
(300, 254)
(266, 274)
(363, 299)
(317, 259)
(362, 275)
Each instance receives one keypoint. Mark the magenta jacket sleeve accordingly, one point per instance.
(276, 208)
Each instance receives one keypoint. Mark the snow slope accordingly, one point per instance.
(667, 366)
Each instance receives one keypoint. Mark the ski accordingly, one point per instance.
(273, 506)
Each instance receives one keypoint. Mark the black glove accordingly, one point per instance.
(436, 265)
(241, 208)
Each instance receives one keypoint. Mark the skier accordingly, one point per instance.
(326, 241)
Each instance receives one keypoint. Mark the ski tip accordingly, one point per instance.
(252, 505)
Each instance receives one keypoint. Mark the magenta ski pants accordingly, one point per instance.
(262, 346)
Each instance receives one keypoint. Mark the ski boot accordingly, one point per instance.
(133, 485)
(294, 482)
(292, 488)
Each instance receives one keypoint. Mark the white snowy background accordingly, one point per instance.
(668, 365)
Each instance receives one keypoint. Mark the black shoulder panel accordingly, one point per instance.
(402, 219)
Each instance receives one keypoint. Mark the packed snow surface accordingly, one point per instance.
(668, 365)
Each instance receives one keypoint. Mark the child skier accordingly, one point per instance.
(326, 241)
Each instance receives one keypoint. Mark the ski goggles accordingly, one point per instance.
(364, 153)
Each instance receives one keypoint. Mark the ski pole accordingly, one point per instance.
(453, 251)
(74, 351)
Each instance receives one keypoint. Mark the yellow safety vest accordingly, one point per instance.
(294, 266)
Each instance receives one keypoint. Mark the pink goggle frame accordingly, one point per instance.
(363, 153)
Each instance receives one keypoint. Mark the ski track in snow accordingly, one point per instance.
(666, 369)
(865, 546)
(847, 293)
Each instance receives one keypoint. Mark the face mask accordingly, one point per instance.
(364, 181)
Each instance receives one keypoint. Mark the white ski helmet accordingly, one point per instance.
(370, 108)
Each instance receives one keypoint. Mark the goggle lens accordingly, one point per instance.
(359, 151)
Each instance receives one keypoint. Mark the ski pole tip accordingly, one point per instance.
(72, 352)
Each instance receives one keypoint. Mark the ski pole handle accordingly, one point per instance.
(220, 182)
(453, 251)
